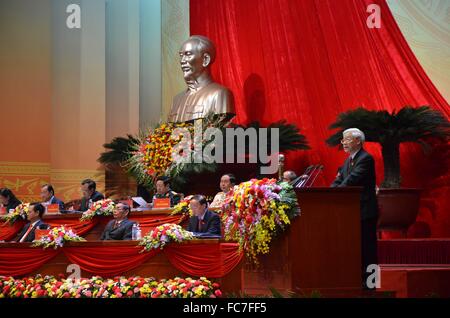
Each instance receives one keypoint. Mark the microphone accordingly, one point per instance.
(300, 180)
(318, 171)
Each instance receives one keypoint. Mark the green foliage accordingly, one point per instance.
(407, 125)
(290, 137)
(120, 150)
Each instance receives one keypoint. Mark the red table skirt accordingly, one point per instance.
(199, 259)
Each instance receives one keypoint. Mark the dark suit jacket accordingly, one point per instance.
(31, 235)
(122, 232)
(55, 200)
(362, 174)
(210, 224)
(96, 196)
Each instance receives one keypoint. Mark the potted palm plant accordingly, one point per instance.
(398, 207)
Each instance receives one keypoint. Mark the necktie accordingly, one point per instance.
(199, 225)
(26, 233)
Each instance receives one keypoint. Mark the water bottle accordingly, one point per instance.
(138, 233)
(134, 230)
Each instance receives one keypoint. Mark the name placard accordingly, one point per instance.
(38, 234)
(163, 203)
(52, 208)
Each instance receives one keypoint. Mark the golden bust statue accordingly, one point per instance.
(202, 96)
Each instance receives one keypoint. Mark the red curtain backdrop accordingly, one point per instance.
(307, 61)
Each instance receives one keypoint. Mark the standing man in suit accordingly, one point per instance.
(48, 196)
(204, 222)
(359, 170)
(34, 216)
(120, 228)
(88, 188)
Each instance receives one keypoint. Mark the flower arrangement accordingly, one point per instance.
(256, 212)
(163, 234)
(57, 236)
(20, 212)
(153, 153)
(97, 287)
(101, 207)
(183, 207)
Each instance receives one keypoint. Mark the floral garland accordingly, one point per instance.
(153, 155)
(97, 287)
(256, 212)
(20, 212)
(164, 234)
(56, 237)
(101, 207)
(183, 207)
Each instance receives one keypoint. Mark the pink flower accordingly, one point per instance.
(218, 293)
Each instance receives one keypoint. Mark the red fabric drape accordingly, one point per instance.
(210, 260)
(8, 232)
(81, 228)
(22, 261)
(108, 261)
(307, 61)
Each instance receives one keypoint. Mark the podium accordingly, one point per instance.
(320, 251)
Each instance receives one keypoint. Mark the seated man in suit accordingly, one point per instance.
(204, 222)
(359, 170)
(88, 188)
(34, 216)
(48, 196)
(120, 228)
(163, 191)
